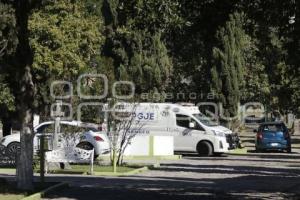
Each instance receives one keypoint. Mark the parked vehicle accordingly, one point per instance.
(72, 133)
(272, 136)
(192, 131)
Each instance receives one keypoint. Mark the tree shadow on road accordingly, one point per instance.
(184, 182)
(227, 169)
(249, 186)
(179, 188)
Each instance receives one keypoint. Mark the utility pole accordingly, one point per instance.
(42, 158)
(57, 114)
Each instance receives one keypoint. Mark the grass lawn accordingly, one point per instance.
(78, 169)
(238, 151)
(11, 196)
(8, 190)
(8, 170)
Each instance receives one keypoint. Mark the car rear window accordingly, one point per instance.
(273, 127)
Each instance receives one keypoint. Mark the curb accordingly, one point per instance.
(41, 194)
(126, 158)
(130, 173)
(133, 172)
(136, 171)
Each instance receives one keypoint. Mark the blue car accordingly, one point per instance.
(272, 136)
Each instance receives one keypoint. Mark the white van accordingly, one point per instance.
(192, 131)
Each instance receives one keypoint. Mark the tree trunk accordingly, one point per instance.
(25, 158)
(6, 128)
(24, 93)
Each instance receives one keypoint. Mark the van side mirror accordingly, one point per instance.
(255, 131)
(191, 125)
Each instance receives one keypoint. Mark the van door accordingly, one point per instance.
(187, 138)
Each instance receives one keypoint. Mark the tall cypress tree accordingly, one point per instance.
(227, 72)
(139, 54)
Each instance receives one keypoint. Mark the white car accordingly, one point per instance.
(83, 135)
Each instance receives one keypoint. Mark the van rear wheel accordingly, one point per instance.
(204, 149)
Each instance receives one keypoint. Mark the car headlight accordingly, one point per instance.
(219, 133)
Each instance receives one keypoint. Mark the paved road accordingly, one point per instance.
(257, 176)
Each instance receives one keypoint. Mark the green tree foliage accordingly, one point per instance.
(191, 46)
(293, 48)
(7, 102)
(277, 36)
(8, 36)
(65, 36)
(275, 56)
(141, 58)
(135, 44)
(228, 71)
(257, 87)
(267, 23)
(164, 45)
(151, 15)
(8, 44)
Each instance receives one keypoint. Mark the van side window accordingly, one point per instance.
(182, 120)
(197, 125)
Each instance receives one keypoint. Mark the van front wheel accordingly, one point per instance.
(204, 149)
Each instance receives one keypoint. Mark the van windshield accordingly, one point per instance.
(205, 120)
